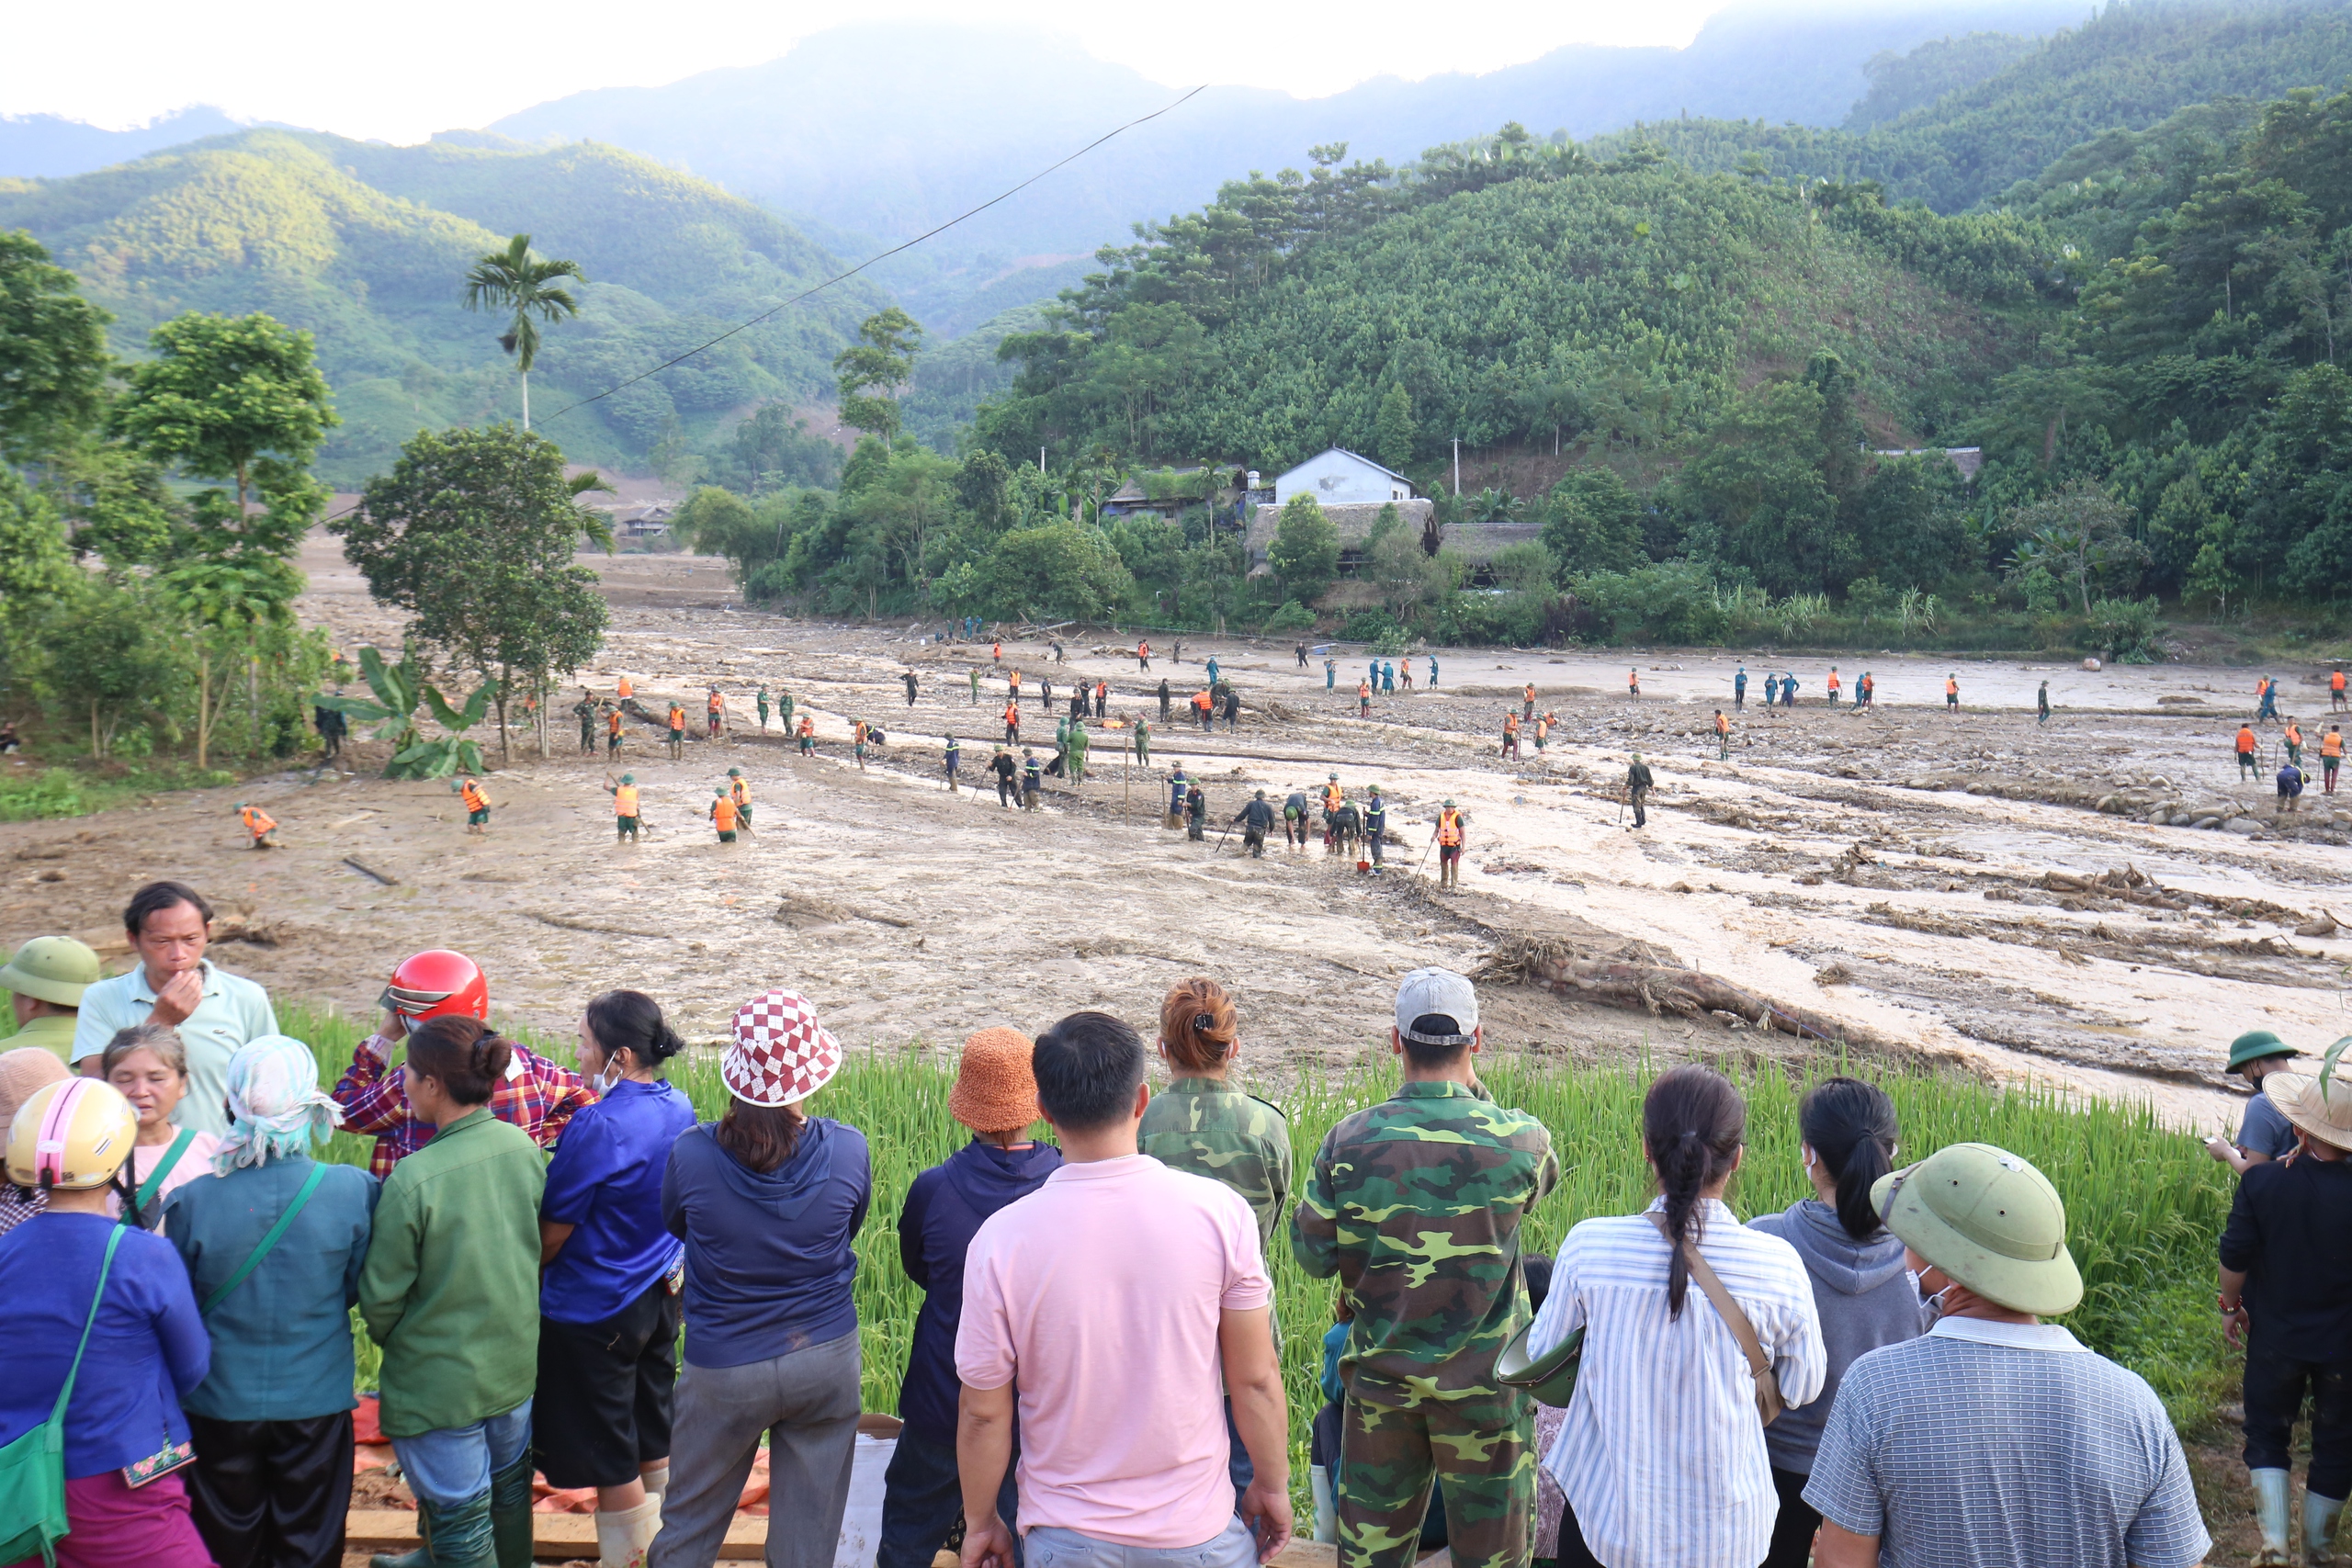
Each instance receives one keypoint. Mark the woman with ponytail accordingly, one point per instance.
(608, 1301)
(1865, 1294)
(450, 1290)
(1662, 1458)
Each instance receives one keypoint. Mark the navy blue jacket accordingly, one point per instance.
(944, 1209)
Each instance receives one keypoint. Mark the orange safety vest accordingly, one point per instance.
(1833, 681)
(1528, 692)
(1722, 725)
(1448, 827)
(677, 716)
(740, 791)
(1632, 677)
(2245, 742)
(473, 797)
(1951, 688)
(1012, 714)
(625, 690)
(717, 702)
(613, 722)
(1362, 688)
(808, 725)
(1015, 679)
(2331, 744)
(1203, 701)
(2335, 682)
(722, 812)
(1144, 648)
(624, 800)
(256, 820)
(1333, 795)
(2294, 735)
(1510, 723)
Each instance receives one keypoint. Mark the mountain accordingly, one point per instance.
(971, 111)
(50, 146)
(367, 247)
(2128, 68)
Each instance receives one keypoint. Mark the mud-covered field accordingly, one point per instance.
(1972, 888)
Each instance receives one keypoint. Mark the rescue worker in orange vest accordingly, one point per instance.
(625, 812)
(477, 803)
(1013, 722)
(2331, 756)
(717, 707)
(2335, 692)
(1364, 699)
(612, 732)
(258, 823)
(1632, 682)
(2294, 742)
(1012, 680)
(1542, 728)
(2245, 752)
(623, 691)
(808, 734)
(1450, 827)
(1723, 736)
(1527, 702)
(677, 732)
(722, 816)
(1205, 706)
(1836, 685)
(1511, 735)
(1143, 653)
(1951, 694)
(857, 742)
(996, 652)
(738, 791)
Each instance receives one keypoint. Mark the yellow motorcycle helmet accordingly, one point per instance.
(73, 1135)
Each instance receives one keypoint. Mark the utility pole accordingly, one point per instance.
(1457, 468)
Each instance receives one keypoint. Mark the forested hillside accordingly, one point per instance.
(367, 246)
(2129, 67)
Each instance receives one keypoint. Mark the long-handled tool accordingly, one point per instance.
(1423, 864)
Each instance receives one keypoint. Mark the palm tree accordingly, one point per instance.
(514, 278)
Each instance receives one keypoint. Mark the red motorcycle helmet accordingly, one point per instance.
(437, 984)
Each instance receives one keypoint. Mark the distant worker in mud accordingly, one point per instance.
(2267, 690)
(1543, 729)
(1723, 736)
(1163, 700)
(1204, 709)
(1197, 813)
(2293, 741)
(784, 706)
(1739, 689)
(739, 790)
(1012, 724)
(1511, 735)
(1375, 825)
(974, 673)
(1330, 674)
(717, 708)
(2042, 702)
(1003, 765)
(259, 824)
(1333, 795)
(1232, 709)
(1302, 655)
(2247, 766)
(1432, 672)
(807, 736)
(623, 691)
(1211, 668)
(1405, 674)
(1452, 831)
(1143, 656)
(585, 711)
(2290, 788)
(1143, 741)
(1033, 780)
(1638, 784)
(1632, 682)
(2335, 692)
(627, 818)
(722, 816)
(1387, 676)
(1772, 691)
(858, 734)
(1256, 819)
(955, 760)
(1179, 789)
(1788, 690)
(1012, 685)
(761, 701)
(677, 730)
(1347, 827)
(1866, 692)
(1952, 693)
(612, 732)
(909, 679)
(1076, 754)
(2331, 756)
(1527, 702)
(1836, 686)
(1364, 699)
(477, 803)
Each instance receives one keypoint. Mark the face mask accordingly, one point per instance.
(602, 1082)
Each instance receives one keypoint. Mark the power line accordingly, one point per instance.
(885, 255)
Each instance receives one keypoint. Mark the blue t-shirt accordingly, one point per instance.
(147, 1349)
(769, 1259)
(2264, 1130)
(605, 1181)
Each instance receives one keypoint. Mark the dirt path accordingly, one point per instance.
(1822, 866)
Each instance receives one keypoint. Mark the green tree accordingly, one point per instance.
(473, 533)
(1593, 521)
(719, 523)
(236, 398)
(871, 371)
(53, 360)
(2081, 535)
(513, 279)
(1056, 569)
(1305, 550)
(112, 653)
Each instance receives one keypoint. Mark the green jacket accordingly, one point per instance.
(1415, 1203)
(52, 1031)
(1214, 1129)
(451, 1286)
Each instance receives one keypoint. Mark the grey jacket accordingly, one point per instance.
(1866, 1299)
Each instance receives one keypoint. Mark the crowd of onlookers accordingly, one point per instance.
(1093, 1379)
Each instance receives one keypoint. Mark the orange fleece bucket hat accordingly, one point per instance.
(995, 1090)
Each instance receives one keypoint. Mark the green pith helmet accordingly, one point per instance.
(239, 807)
(53, 969)
(2254, 1045)
(1988, 1220)
(1449, 806)
(628, 778)
(1375, 792)
(1335, 778)
(718, 795)
(734, 772)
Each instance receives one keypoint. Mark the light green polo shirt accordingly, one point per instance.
(232, 1011)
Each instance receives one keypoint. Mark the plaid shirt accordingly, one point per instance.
(540, 1099)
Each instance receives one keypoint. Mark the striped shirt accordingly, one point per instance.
(2005, 1445)
(1662, 1456)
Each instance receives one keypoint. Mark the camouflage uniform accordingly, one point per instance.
(1415, 1204)
(1213, 1129)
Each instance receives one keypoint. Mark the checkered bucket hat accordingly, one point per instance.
(778, 1055)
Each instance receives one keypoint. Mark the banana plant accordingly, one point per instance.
(400, 689)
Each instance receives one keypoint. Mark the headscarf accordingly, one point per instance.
(275, 1105)
(22, 1072)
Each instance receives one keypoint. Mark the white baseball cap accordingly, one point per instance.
(1441, 993)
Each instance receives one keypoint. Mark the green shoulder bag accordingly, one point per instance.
(32, 1469)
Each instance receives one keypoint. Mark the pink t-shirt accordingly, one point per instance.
(1100, 1294)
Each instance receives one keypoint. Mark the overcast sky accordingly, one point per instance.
(401, 72)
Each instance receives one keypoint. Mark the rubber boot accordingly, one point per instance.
(454, 1536)
(2270, 1517)
(2319, 1528)
(657, 1480)
(622, 1534)
(509, 1513)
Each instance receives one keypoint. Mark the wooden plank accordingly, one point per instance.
(555, 1538)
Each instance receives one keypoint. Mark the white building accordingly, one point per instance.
(1339, 477)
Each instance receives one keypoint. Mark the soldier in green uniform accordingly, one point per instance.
(784, 711)
(45, 981)
(1415, 1204)
(585, 708)
(1143, 741)
(762, 700)
(1076, 744)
